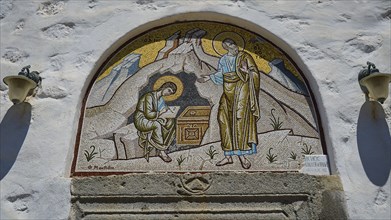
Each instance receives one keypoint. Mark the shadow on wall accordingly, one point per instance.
(374, 142)
(13, 131)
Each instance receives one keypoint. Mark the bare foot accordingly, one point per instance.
(164, 157)
(246, 164)
(225, 161)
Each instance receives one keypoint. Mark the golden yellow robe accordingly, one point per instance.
(239, 109)
(152, 130)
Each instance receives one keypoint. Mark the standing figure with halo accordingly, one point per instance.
(238, 111)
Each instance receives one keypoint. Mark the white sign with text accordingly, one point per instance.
(315, 165)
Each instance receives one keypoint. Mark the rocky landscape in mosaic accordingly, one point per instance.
(67, 41)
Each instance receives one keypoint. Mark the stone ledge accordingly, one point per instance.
(224, 195)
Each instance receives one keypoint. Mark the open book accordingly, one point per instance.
(172, 112)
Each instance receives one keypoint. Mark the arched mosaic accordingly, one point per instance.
(197, 97)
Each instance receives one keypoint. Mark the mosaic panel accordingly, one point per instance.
(197, 97)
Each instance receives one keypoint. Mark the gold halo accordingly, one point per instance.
(179, 87)
(220, 37)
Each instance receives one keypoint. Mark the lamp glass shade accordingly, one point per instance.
(377, 85)
(19, 87)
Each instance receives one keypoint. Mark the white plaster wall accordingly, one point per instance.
(67, 41)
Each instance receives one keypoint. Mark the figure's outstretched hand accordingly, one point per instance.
(204, 79)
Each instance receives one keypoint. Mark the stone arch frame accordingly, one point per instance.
(311, 197)
(276, 41)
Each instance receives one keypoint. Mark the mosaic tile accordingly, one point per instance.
(197, 97)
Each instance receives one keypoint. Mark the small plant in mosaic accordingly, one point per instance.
(90, 155)
(306, 150)
(211, 152)
(270, 156)
(293, 156)
(275, 122)
(180, 160)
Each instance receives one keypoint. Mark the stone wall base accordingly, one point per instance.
(225, 195)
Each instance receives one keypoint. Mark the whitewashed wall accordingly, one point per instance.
(67, 41)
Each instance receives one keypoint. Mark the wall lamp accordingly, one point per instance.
(22, 85)
(373, 83)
